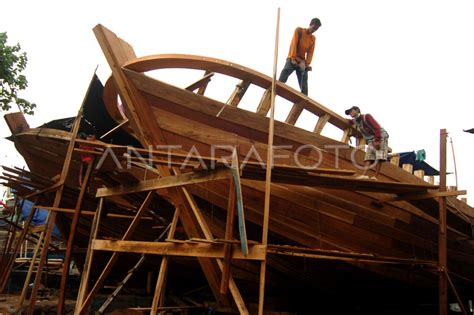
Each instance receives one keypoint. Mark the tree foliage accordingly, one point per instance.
(12, 62)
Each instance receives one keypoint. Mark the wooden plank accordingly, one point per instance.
(30, 269)
(72, 234)
(111, 262)
(149, 133)
(264, 104)
(346, 135)
(158, 296)
(203, 88)
(256, 252)
(148, 63)
(268, 177)
(201, 83)
(442, 236)
(229, 228)
(16, 122)
(83, 286)
(428, 195)
(57, 199)
(294, 113)
(166, 182)
(321, 123)
(240, 203)
(238, 93)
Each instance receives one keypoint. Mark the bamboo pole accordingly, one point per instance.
(266, 212)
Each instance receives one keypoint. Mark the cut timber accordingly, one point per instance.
(238, 93)
(16, 122)
(166, 182)
(201, 83)
(215, 250)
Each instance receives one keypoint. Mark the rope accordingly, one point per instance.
(454, 161)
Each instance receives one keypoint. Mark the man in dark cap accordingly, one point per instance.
(300, 54)
(375, 136)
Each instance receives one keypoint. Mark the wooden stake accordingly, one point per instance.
(266, 213)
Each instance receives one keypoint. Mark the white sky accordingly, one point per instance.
(410, 63)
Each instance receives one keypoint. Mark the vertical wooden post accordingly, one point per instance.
(268, 178)
(229, 227)
(442, 242)
(10, 260)
(32, 264)
(160, 282)
(70, 242)
(88, 260)
(57, 199)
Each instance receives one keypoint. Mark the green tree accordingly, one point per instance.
(12, 63)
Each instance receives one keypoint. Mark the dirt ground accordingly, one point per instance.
(44, 305)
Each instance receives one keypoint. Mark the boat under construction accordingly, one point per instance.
(166, 193)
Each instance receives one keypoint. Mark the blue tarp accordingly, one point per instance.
(39, 217)
(418, 164)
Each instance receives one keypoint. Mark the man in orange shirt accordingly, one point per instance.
(300, 55)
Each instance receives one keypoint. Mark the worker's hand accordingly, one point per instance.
(376, 145)
(309, 68)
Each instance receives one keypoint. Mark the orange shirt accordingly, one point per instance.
(306, 45)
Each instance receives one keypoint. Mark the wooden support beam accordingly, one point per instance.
(210, 250)
(419, 173)
(238, 93)
(321, 123)
(7, 262)
(72, 234)
(268, 173)
(16, 122)
(131, 229)
(92, 213)
(83, 287)
(130, 273)
(111, 131)
(158, 298)
(229, 228)
(346, 135)
(395, 159)
(57, 198)
(203, 88)
(118, 53)
(442, 236)
(240, 202)
(408, 167)
(455, 292)
(421, 196)
(295, 113)
(201, 83)
(166, 182)
(264, 105)
(30, 269)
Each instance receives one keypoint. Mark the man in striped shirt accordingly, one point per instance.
(375, 136)
(300, 55)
